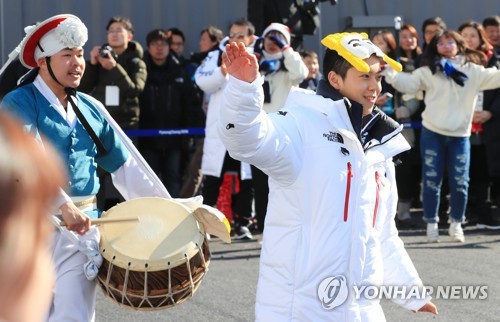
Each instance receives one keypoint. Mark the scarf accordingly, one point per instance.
(446, 66)
(271, 63)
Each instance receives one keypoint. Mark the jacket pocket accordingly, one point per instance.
(347, 190)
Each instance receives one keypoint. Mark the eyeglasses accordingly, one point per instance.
(449, 43)
(116, 31)
(237, 35)
(176, 44)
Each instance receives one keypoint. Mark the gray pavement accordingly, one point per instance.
(227, 293)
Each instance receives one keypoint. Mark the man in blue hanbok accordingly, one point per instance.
(51, 108)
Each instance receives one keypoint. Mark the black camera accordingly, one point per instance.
(104, 51)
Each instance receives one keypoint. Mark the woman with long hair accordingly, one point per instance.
(451, 79)
(384, 39)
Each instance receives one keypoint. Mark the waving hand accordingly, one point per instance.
(240, 63)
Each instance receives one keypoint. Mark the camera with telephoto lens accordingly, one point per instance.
(104, 51)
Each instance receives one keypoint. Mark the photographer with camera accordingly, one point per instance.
(116, 75)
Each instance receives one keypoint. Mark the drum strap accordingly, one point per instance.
(72, 92)
(100, 146)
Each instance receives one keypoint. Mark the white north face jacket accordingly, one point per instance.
(330, 220)
(210, 79)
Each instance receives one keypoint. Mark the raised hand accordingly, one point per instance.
(107, 63)
(240, 63)
(278, 41)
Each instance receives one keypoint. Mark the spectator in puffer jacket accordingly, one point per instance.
(116, 73)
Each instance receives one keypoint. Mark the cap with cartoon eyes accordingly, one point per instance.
(355, 48)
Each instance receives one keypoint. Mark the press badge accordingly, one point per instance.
(112, 96)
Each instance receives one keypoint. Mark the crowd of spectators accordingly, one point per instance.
(163, 88)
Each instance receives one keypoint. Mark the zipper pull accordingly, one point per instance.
(377, 196)
(347, 190)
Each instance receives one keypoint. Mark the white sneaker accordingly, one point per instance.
(244, 233)
(432, 233)
(456, 232)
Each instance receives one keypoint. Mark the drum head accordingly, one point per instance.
(165, 234)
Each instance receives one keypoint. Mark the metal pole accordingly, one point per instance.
(320, 34)
(2, 35)
(397, 28)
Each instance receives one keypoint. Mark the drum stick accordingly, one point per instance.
(107, 220)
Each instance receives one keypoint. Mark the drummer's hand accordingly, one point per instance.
(240, 63)
(74, 218)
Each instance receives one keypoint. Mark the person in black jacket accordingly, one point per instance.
(491, 137)
(167, 102)
(485, 152)
(492, 100)
(116, 73)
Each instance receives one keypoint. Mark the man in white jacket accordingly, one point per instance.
(212, 77)
(330, 224)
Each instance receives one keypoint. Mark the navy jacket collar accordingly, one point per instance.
(373, 126)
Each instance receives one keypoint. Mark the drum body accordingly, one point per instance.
(156, 262)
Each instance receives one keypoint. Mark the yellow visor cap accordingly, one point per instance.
(355, 48)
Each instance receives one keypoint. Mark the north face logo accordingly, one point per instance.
(333, 137)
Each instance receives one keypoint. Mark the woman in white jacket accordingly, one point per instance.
(330, 223)
(451, 79)
(281, 66)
